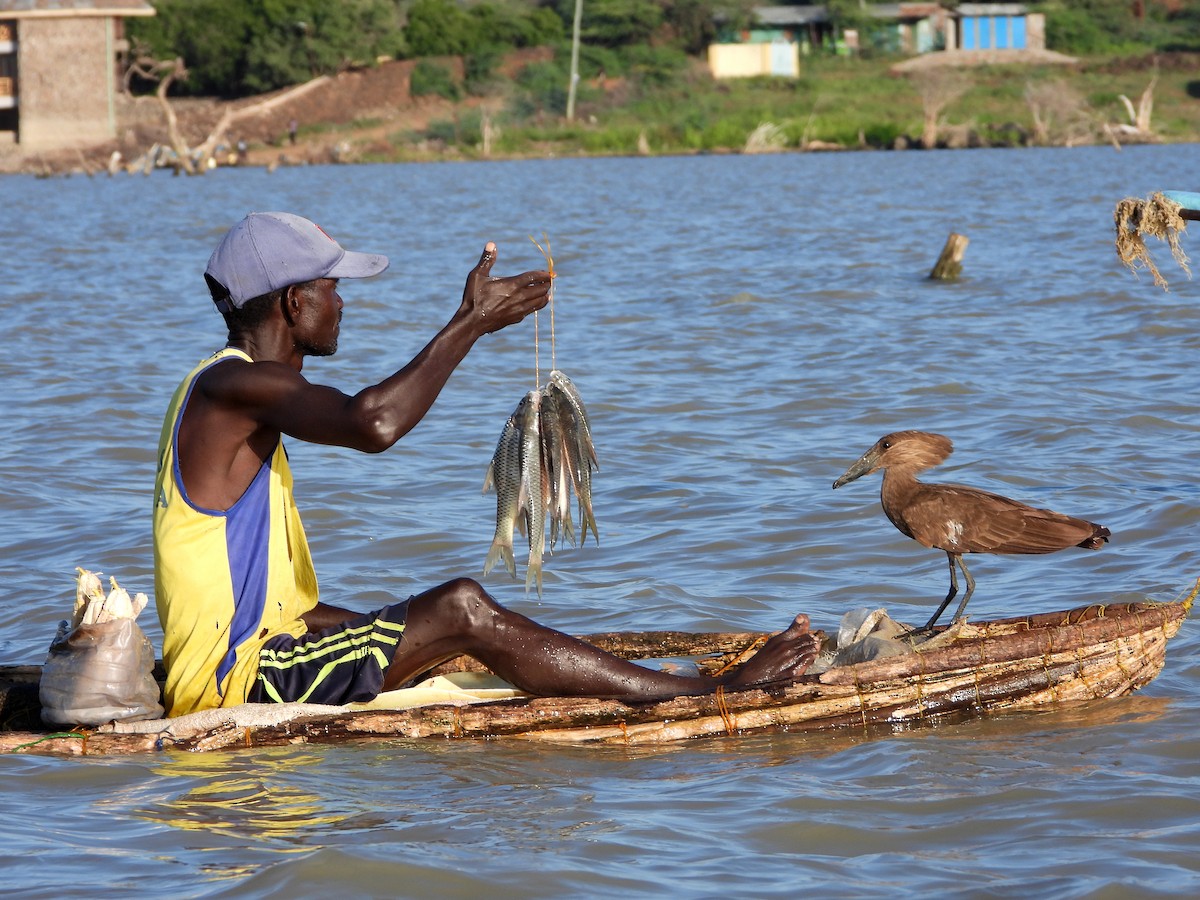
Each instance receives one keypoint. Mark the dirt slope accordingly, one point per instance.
(378, 99)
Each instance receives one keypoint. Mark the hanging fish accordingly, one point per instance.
(545, 452)
(533, 499)
(504, 475)
(555, 462)
(580, 452)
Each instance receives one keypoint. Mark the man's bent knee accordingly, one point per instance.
(462, 604)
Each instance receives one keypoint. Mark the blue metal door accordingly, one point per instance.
(970, 33)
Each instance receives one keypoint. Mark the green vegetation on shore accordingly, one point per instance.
(836, 103)
(644, 88)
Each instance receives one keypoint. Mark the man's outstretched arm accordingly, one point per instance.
(278, 399)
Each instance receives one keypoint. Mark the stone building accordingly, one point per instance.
(58, 71)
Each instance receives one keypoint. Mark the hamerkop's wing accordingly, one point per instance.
(968, 520)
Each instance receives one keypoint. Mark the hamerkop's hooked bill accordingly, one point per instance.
(961, 519)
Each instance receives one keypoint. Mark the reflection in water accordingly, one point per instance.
(255, 798)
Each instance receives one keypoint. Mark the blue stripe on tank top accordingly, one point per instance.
(247, 539)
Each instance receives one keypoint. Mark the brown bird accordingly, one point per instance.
(961, 519)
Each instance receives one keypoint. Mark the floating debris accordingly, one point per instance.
(1157, 216)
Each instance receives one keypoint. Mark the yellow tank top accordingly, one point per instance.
(225, 581)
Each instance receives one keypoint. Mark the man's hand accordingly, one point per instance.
(491, 303)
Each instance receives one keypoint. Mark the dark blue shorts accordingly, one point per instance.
(343, 664)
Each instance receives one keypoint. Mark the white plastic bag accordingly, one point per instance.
(101, 665)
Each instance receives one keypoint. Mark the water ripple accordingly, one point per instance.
(742, 328)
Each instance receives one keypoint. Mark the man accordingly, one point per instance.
(234, 581)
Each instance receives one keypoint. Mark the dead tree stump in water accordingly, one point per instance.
(949, 264)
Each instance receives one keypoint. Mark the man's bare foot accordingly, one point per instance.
(783, 657)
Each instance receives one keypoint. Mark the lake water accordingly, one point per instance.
(742, 328)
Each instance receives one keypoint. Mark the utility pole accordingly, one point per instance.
(574, 61)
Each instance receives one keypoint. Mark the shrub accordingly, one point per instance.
(543, 87)
(514, 26)
(617, 139)
(464, 130)
(479, 71)
(1074, 31)
(238, 47)
(655, 65)
(430, 78)
(882, 134)
(439, 28)
(725, 134)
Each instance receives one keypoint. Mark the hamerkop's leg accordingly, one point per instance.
(950, 596)
(967, 596)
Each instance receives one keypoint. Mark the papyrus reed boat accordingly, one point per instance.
(1085, 653)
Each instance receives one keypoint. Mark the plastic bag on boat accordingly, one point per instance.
(863, 635)
(101, 664)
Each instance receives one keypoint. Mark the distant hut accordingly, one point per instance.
(58, 71)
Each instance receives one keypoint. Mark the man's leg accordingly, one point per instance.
(460, 617)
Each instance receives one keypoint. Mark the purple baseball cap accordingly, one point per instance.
(267, 251)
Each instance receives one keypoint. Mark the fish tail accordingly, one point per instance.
(588, 521)
(500, 551)
(533, 577)
(568, 527)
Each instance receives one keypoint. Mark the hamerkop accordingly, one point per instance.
(961, 519)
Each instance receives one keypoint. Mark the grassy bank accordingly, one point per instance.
(835, 103)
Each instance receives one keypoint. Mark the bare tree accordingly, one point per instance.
(195, 160)
(165, 72)
(938, 87)
(1061, 116)
(1139, 118)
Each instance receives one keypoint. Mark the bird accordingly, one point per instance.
(959, 519)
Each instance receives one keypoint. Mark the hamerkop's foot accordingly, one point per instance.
(784, 656)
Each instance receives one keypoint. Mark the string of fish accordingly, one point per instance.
(545, 452)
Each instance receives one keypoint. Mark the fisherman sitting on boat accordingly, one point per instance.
(234, 582)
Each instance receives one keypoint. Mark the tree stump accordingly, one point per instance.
(949, 264)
